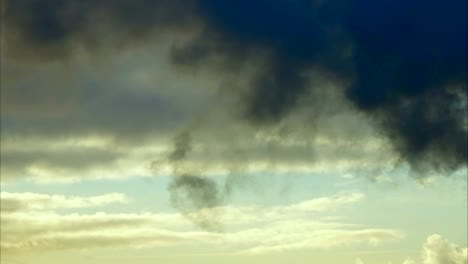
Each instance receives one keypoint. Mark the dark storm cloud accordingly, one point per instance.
(404, 63)
(55, 29)
(294, 36)
(56, 101)
(411, 72)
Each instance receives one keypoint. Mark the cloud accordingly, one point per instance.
(197, 198)
(319, 239)
(265, 56)
(352, 42)
(13, 202)
(328, 203)
(218, 145)
(51, 231)
(61, 100)
(409, 261)
(62, 28)
(247, 230)
(438, 250)
(47, 162)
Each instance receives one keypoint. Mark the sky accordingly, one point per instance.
(236, 131)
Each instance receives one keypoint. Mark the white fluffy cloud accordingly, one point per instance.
(438, 250)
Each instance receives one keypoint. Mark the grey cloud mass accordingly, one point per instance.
(141, 70)
(197, 198)
(216, 111)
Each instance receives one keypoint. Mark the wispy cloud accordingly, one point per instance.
(248, 230)
(12, 202)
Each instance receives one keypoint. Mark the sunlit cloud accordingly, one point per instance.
(13, 202)
(247, 230)
(437, 250)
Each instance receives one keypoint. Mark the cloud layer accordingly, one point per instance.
(13, 202)
(248, 230)
(408, 75)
